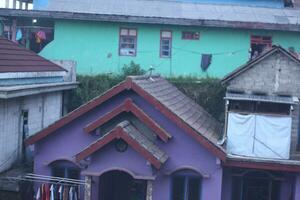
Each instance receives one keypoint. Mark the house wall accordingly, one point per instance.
(182, 149)
(277, 74)
(43, 110)
(94, 46)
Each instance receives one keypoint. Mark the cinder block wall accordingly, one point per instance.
(276, 75)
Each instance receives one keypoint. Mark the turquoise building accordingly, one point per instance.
(187, 37)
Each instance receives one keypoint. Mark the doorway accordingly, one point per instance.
(119, 185)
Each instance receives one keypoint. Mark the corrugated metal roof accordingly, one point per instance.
(17, 59)
(180, 10)
(261, 98)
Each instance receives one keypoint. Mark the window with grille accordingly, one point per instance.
(189, 35)
(128, 42)
(186, 186)
(165, 44)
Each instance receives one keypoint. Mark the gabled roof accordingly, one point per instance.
(132, 137)
(253, 62)
(17, 59)
(165, 97)
(129, 106)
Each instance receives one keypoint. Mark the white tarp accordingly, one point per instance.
(259, 135)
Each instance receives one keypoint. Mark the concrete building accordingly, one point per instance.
(184, 37)
(31, 97)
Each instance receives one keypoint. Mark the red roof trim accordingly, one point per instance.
(129, 106)
(78, 112)
(262, 165)
(128, 84)
(118, 133)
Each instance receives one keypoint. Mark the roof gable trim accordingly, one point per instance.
(252, 63)
(129, 106)
(118, 133)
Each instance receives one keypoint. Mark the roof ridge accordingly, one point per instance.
(254, 61)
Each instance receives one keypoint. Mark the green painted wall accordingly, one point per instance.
(90, 43)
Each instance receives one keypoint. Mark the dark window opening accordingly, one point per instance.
(255, 186)
(128, 42)
(65, 169)
(187, 35)
(289, 3)
(116, 185)
(186, 187)
(259, 107)
(65, 172)
(25, 132)
(165, 44)
(31, 38)
(259, 44)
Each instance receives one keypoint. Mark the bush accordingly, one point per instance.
(207, 92)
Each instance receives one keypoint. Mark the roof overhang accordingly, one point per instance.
(146, 20)
(25, 90)
(263, 164)
(261, 98)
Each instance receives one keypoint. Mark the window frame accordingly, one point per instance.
(170, 45)
(135, 40)
(193, 33)
(187, 176)
(66, 167)
(259, 40)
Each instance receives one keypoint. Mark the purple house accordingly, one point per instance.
(145, 140)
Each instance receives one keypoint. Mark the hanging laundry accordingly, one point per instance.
(75, 195)
(41, 35)
(205, 61)
(66, 193)
(38, 194)
(19, 35)
(71, 193)
(60, 191)
(47, 191)
(43, 192)
(52, 192)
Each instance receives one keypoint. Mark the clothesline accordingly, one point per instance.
(48, 179)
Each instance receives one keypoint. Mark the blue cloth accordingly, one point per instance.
(19, 35)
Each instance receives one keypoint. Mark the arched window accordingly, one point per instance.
(65, 169)
(186, 185)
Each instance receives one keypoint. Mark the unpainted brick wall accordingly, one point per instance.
(278, 74)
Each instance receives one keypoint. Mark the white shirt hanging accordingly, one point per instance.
(38, 194)
(52, 192)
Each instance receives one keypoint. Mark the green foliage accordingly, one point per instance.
(93, 86)
(207, 92)
(132, 69)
